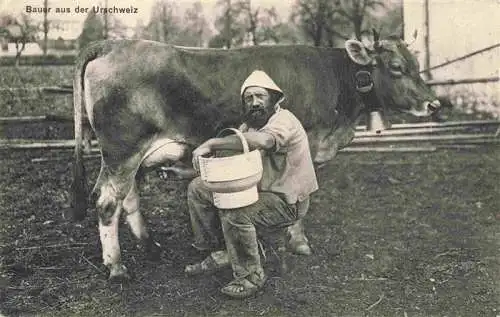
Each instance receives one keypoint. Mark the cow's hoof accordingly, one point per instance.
(300, 248)
(118, 274)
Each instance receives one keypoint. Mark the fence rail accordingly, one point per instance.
(43, 89)
(361, 128)
(9, 144)
(467, 123)
(463, 81)
(429, 136)
(35, 119)
(461, 57)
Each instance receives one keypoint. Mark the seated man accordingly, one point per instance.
(288, 180)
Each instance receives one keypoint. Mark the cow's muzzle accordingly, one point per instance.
(428, 108)
(433, 106)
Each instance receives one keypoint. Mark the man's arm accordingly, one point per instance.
(255, 140)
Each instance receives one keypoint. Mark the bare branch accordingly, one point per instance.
(373, 4)
(343, 13)
(336, 33)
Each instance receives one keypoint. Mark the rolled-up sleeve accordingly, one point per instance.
(282, 128)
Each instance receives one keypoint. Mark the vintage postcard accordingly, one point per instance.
(249, 158)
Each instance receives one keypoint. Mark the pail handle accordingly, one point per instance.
(240, 135)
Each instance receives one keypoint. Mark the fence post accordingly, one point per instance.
(498, 99)
(427, 57)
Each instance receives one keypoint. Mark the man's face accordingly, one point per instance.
(257, 106)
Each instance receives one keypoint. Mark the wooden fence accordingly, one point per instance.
(406, 137)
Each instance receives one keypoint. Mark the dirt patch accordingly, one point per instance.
(392, 234)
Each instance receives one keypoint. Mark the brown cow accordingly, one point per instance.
(151, 103)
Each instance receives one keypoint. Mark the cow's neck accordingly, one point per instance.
(351, 105)
(355, 100)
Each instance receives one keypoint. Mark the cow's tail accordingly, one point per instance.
(79, 186)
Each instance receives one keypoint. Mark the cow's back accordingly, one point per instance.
(312, 79)
(142, 88)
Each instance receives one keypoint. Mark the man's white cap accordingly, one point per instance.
(260, 79)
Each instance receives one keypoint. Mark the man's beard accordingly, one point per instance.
(257, 118)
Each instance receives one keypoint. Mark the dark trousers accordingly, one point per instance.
(239, 226)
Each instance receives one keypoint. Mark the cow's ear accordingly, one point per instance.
(358, 52)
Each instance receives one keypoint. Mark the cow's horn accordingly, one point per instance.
(415, 33)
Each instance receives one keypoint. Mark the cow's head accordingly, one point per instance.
(396, 83)
(395, 73)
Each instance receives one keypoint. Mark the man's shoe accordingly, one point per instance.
(215, 261)
(202, 246)
(300, 248)
(245, 287)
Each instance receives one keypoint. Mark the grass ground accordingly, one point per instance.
(393, 235)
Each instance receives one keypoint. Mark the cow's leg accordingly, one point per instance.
(87, 138)
(119, 190)
(137, 224)
(109, 209)
(99, 181)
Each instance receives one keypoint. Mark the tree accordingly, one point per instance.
(196, 27)
(19, 31)
(316, 18)
(288, 33)
(217, 41)
(229, 23)
(261, 24)
(389, 23)
(356, 12)
(45, 27)
(163, 25)
(268, 26)
(116, 29)
(93, 30)
(252, 20)
(99, 27)
(139, 29)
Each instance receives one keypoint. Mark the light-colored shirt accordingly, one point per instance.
(287, 167)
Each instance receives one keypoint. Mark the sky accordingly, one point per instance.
(72, 22)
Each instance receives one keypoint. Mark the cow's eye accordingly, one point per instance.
(396, 68)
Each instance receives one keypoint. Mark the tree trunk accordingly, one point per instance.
(45, 27)
(227, 29)
(19, 50)
(358, 21)
(106, 27)
(318, 35)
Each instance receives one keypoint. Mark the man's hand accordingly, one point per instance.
(176, 173)
(201, 150)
